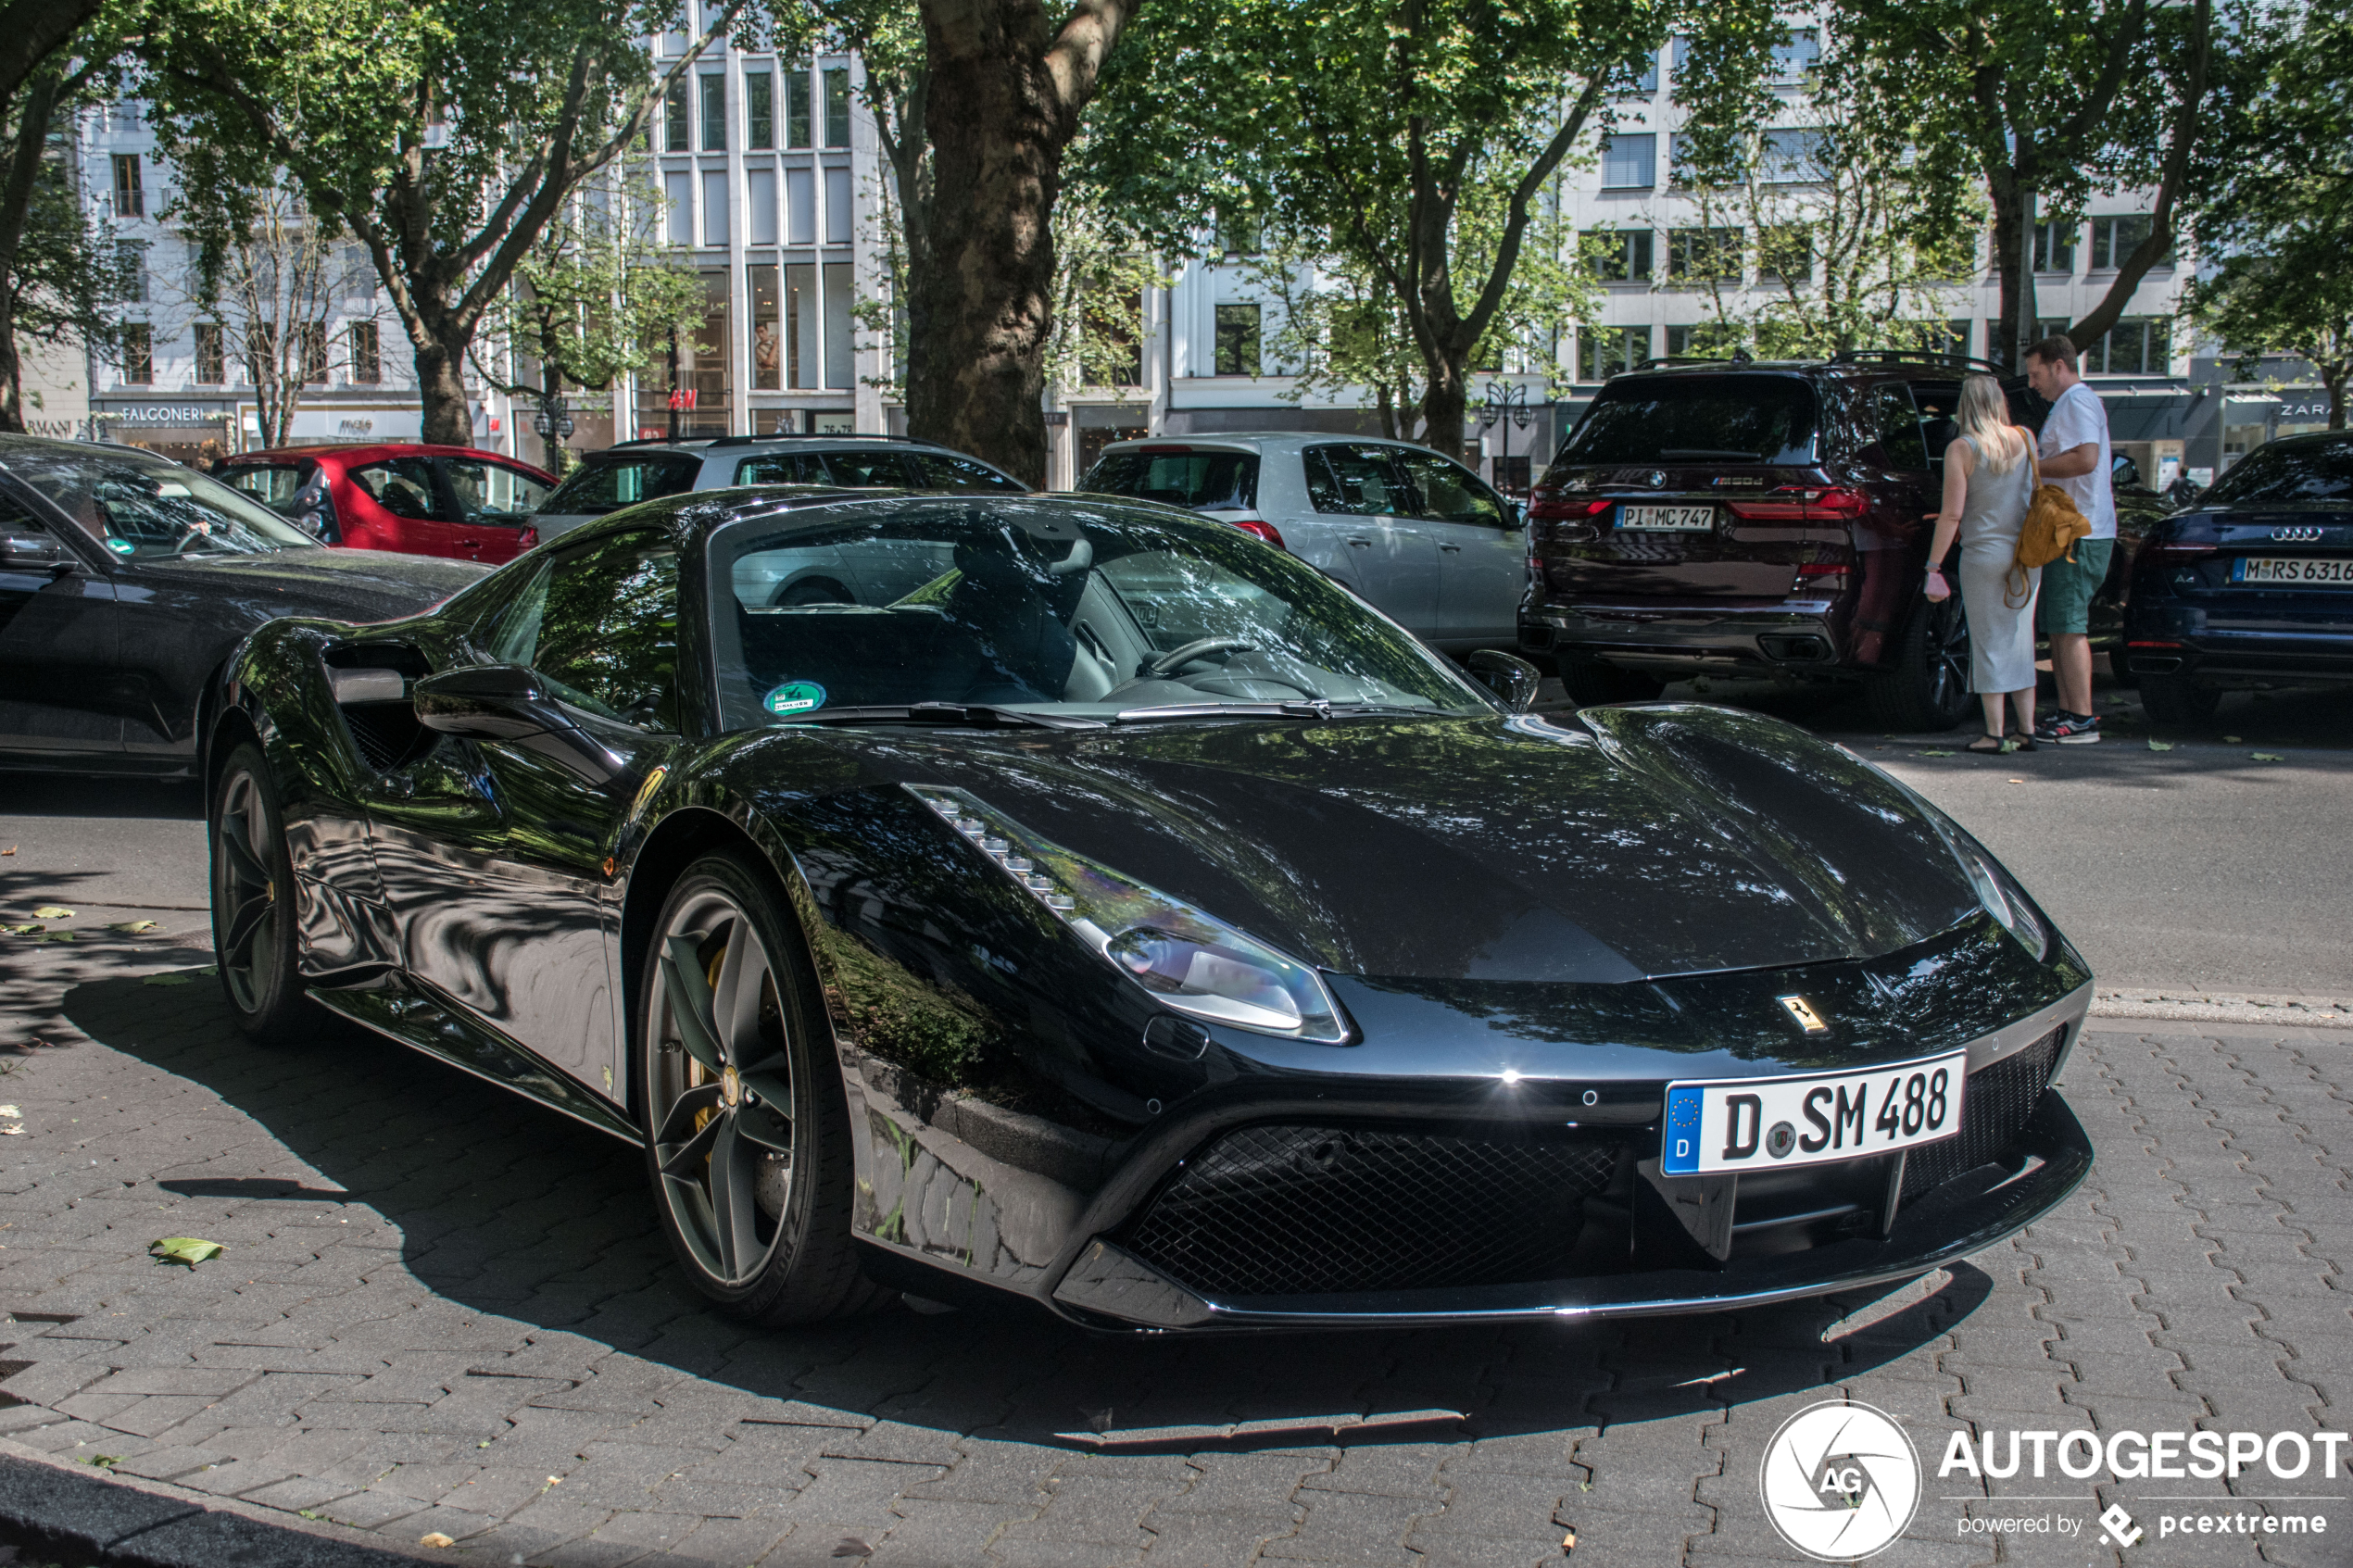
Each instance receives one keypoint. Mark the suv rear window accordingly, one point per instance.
(2323, 471)
(1698, 419)
(611, 485)
(1207, 481)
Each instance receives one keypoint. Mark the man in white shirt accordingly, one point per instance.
(2073, 452)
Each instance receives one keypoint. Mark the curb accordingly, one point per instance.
(2263, 1009)
(64, 1511)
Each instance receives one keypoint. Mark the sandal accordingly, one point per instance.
(1989, 745)
(2021, 740)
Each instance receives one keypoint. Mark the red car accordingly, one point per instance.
(423, 500)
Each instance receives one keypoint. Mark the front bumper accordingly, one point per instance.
(1796, 636)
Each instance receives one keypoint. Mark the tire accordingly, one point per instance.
(2177, 699)
(756, 1204)
(1927, 689)
(253, 925)
(1591, 682)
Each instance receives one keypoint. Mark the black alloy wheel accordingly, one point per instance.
(2177, 699)
(253, 907)
(747, 1131)
(1926, 687)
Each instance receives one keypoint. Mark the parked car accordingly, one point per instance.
(632, 471)
(1735, 517)
(422, 500)
(1134, 924)
(2252, 587)
(1420, 537)
(125, 582)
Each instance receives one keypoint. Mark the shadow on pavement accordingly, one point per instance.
(509, 1210)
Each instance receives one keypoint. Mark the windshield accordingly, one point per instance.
(143, 506)
(1209, 481)
(607, 486)
(2279, 474)
(1755, 419)
(1071, 610)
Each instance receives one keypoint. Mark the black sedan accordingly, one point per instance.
(2252, 587)
(126, 580)
(1126, 918)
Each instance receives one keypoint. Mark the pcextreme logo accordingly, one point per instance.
(1840, 1480)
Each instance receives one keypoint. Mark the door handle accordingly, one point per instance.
(1451, 549)
(1362, 544)
(469, 544)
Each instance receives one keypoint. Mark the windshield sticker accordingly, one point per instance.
(795, 696)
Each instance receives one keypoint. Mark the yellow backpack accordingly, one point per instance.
(2051, 528)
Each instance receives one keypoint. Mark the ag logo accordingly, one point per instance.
(1840, 1481)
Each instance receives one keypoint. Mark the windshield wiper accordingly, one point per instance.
(981, 715)
(1316, 709)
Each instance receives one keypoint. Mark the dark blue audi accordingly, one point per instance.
(2252, 587)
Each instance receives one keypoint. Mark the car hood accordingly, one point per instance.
(337, 585)
(1623, 844)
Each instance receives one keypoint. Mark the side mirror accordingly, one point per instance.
(1511, 678)
(1516, 514)
(511, 704)
(37, 551)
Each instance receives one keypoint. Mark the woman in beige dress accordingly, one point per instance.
(1989, 482)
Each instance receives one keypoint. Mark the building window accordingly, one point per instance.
(1796, 56)
(1785, 254)
(796, 104)
(1638, 78)
(1630, 163)
(1602, 352)
(314, 353)
(674, 137)
(767, 339)
(1237, 340)
(2115, 239)
(1793, 158)
(1619, 255)
(715, 114)
(2134, 347)
(2054, 248)
(1702, 255)
(802, 332)
(212, 362)
(838, 107)
(760, 110)
(130, 257)
(1236, 233)
(130, 199)
(367, 355)
(138, 354)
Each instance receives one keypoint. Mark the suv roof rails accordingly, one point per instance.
(810, 435)
(663, 441)
(1915, 357)
(1738, 356)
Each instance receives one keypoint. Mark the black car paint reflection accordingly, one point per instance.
(1532, 924)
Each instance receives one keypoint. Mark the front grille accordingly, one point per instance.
(1281, 1210)
(1993, 1113)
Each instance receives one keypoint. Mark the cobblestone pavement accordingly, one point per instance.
(442, 1309)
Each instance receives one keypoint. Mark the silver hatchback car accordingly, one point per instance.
(1418, 534)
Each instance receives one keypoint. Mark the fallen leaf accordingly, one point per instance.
(58, 936)
(184, 1250)
(9, 850)
(851, 1546)
(11, 1112)
(133, 927)
(51, 911)
(1936, 754)
(434, 1539)
(2018, 780)
(23, 930)
(104, 1462)
(11, 1131)
(2231, 740)
(2160, 746)
(2267, 757)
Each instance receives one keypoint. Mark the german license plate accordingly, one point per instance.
(1670, 519)
(1721, 1127)
(2292, 569)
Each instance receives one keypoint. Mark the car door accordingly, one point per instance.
(60, 680)
(1902, 489)
(411, 514)
(1482, 551)
(517, 932)
(493, 505)
(1366, 502)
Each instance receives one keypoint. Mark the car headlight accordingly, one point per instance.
(1189, 960)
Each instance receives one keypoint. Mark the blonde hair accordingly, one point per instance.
(1985, 419)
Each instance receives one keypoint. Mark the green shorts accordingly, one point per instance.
(2067, 586)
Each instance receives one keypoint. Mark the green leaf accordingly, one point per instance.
(2160, 746)
(184, 1250)
(51, 911)
(23, 930)
(104, 1462)
(1937, 754)
(133, 927)
(2267, 757)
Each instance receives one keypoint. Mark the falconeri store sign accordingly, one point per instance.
(182, 430)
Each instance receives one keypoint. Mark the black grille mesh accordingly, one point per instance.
(2000, 1101)
(1280, 1210)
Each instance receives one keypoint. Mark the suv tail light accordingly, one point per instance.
(1258, 527)
(1797, 503)
(2181, 540)
(530, 537)
(1546, 503)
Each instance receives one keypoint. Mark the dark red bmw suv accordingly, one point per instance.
(1736, 518)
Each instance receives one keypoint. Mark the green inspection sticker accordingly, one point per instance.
(795, 696)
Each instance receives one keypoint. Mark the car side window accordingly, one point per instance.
(272, 484)
(783, 468)
(493, 493)
(1939, 408)
(867, 471)
(402, 487)
(1355, 480)
(938, 471)
(601, 625)
(1897, 427)
(1449, 493)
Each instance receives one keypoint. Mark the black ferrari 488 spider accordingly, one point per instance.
(1075, 900)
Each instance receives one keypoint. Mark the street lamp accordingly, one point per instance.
(1506, 405)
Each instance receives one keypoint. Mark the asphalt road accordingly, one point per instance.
(2197, 868)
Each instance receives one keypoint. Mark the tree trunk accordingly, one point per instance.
(1443, 404)
(441, 387)
(11, 367)
(2010, 265)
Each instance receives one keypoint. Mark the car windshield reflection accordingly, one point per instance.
(1103, 612)
(144, 507)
